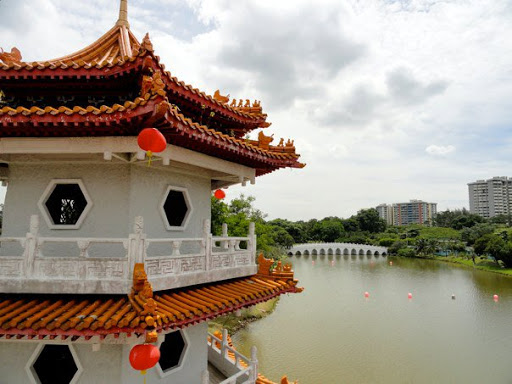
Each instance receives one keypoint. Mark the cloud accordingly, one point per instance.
(287, 55)
(439, 150)
(405, 89)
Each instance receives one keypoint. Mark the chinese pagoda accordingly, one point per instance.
(100, 252)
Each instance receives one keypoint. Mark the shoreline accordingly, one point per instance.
(234, 323)
(482, 265)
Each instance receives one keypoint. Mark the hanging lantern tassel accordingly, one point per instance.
(152, 141)
(144, 357)
(219, 194)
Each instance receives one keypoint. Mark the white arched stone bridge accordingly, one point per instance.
(336, 249)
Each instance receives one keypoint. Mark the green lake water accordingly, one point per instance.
(331, 333)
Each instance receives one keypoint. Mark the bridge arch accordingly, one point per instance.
(353, 252)
(338, 251)
(322, 251)
(330, 251)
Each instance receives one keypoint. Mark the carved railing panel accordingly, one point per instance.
(94, 259)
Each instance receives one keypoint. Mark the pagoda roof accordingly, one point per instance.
(152, 109)
(118, 53)
(38, 315)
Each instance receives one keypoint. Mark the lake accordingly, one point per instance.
(331, 333)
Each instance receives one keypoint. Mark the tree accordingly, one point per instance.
(506, 255)
(500, 219)
(457, 219)
(495, 247)
(350, 225)
(369, 220)
(219, 213)
(281, 237)
(471, 235)
(396, 246)
(480, 244)
(329, 229)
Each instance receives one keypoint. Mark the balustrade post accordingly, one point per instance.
(136, 245)
(224, 244)
(224, 343)
(207, 243)
(31, 246)
(254, 364)
(205, 377)
(252, 241)
(176, 245)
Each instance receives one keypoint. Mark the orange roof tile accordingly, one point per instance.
(86, 315)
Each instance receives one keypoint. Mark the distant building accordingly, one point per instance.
(492, 197)
(413, 212)
(386, 213)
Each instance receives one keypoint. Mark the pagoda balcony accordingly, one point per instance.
(105, 265)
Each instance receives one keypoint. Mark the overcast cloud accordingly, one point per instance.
(386, 100)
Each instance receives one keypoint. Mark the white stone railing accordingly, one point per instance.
(180, 262)
(234, 365)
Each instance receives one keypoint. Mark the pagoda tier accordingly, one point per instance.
(36, 315)
(98, 82)
(159, 100)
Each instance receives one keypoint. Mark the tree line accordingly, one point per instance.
(452, 232)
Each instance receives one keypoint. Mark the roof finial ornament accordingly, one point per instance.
(123, 14)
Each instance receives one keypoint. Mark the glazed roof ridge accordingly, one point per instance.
(117, 43)
(89, 315)
(242, 142)
(76, 109)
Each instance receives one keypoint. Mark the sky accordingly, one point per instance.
(387, 100)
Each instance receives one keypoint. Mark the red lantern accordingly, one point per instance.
(144, 356)
(151, 140)
(219, 194)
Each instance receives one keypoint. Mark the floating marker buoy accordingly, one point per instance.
(390, 263)
(367, 294)
(496, 297)
(453, 296)
(409, 295)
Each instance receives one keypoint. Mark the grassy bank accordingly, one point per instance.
(234, 323)
(483, 264)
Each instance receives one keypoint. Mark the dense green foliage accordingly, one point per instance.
(455, 233)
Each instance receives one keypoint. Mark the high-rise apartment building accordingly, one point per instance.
(412, 212)
(492, 197)
(386, 212)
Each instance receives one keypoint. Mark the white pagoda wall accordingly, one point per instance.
(119, 193)
(110, 364)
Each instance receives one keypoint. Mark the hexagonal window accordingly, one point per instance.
(65, 204)
(172, 352)
(176, 208)
(55, 364)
